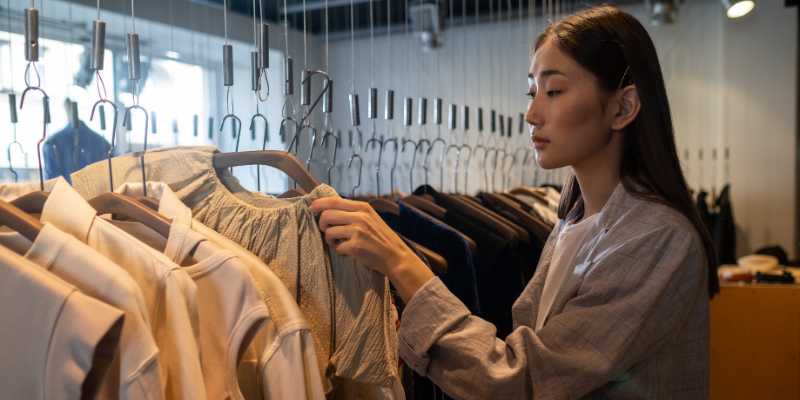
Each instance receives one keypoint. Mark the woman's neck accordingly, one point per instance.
(597, 177)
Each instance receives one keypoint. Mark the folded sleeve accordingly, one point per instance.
(631, 299)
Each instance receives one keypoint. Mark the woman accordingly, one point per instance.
(618, 307)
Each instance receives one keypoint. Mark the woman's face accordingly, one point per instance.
(568, 119)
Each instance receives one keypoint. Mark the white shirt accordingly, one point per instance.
(169, 292)
(567, 245)
(96, 276)
(281, 362)
(53, 336)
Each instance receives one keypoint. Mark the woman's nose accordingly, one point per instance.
(533, 116)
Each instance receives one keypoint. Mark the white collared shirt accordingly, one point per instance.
(169, 293)
(98, 277)
(281, 362)
(53, 336)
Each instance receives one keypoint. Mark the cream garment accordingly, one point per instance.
(57, 343)
(11, 191)
(569, 241)
(281, 362)
(361, 345)
(135, 373)
(168, 291)
(229, 307)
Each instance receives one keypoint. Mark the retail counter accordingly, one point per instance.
(755, 342)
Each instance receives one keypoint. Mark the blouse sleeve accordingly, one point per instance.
(630, 300)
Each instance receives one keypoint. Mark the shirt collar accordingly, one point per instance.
(169, 205)
(68, 211)
(615, 206)
(47, 246)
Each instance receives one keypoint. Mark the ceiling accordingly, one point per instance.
(339, 11)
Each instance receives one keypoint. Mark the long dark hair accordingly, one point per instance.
(609, 42)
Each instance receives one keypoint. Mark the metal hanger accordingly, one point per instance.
(466, 166)
(335, 151)
(428, 159)
(12, 216)
(12, 103)
(379, 142)
(115, 203)
(417, 145)
(475, 151)
(458, 158)
(392, 187)
(360, 167)
(258, 115)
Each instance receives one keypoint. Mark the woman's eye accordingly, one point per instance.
(553, 93)
(530, 94)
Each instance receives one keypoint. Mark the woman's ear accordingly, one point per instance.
(628, 106)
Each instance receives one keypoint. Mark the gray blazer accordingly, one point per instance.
(630, 321)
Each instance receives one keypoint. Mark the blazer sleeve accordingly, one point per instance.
(630, 300)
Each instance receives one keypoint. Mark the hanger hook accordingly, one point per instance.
(45, 121)
(113, 136)
(475, 151)
(428, 160)
(466, 166)
(360, 168)
(335, 151)
(305, 84)
(313, 132)
(237, 126)
(394, 162)
(126, 120)
(378, 165)
(458, 160)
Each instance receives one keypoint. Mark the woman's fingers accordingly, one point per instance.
(335, 217)
(337, 203)
(335, 234)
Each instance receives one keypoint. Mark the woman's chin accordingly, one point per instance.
(546, 162)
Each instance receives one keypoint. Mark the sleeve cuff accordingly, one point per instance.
(432, 312)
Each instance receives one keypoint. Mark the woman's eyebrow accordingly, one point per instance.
(546, 73)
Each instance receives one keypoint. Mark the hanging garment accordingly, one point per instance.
(169, 292)
(705, 214)
(444, 240)
(497, 271)
(229, 309)
(135, 370)
(70, 149)
(615, 328)
(541, 209)
(281, 363)
(58, 343)
(10, 191)
(283, 350)
(349, 307)
(724, 232)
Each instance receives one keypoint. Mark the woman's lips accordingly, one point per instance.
(539, 143)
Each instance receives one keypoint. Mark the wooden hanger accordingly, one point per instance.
(284, 161)
(471, 210)
(296, 192)
(19, 221)
(127, 207)
(31, 203)
(384, 206)
(521, 233)
(540, 228)
(426, 205)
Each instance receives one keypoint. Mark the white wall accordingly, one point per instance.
(732, 84)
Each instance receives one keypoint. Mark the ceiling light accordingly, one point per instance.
(172, 54)
(738, 8)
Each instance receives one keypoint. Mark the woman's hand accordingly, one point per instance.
(354, 229)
